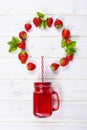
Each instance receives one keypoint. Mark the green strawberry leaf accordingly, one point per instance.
(71, 44)
(40, 15)
(63, 43)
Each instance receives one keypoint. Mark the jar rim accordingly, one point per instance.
(36, 84)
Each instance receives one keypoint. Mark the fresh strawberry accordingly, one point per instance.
(21, 44)
(67, 41)
(65, 33)
(31, 66)
(49, 22)
(37, 21)
(63, 61)
(69, 57)
(54, 66)
(23, 56)
(23, 35)
(28, 26)
(58, 23)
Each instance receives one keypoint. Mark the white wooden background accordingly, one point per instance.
(16, 83)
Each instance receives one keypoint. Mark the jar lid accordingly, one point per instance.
(37, 84)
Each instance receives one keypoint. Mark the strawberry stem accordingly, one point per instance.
(23, 52)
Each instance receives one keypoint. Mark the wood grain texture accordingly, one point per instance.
(16, 70)
(43, 43)
(74, 23)
(22, 89)
(46, 6)
(23, 111)
(39, 126)
(16, 83)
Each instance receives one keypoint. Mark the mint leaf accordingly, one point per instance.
(15, 40)
(41, 24)
(10, 43)
(63, 43)
(45, 24)
(12, 48)
(13, 44)
(70, 51)
(40, 15)
(73, 50)
(71, 44)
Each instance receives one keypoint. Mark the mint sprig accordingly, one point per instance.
(63, 43)
(43, 23)
(70, 47)
(40, 15)
(13, 44)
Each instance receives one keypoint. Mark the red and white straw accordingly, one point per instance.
(42, 68)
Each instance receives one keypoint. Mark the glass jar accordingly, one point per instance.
(43, 99)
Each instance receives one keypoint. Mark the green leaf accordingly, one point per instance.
(40, 15)
(71, 44)
(13, 44)
(10, 43)
(41, 24)
(73, 50)
(45, 24)
(12, 48)
(15, 40)
(70, 51)
(63, 43)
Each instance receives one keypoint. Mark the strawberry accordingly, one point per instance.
(21, 44)
(31, 66)
(28, 26)
(67, 41)
(58, 23)
(23, 35)
(54, 66)
(69, 57)
(37, 21)
(49, 22)
(23, 56)
(63, 61)
(65, 33)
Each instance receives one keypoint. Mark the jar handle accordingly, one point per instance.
(57, 101)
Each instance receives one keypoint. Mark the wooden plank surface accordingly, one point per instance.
(43, 43)
(16, 24)
(39, 126)
(71, 71)
(50, 7)
(22, 89)
(16, 83)
(23, 111)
